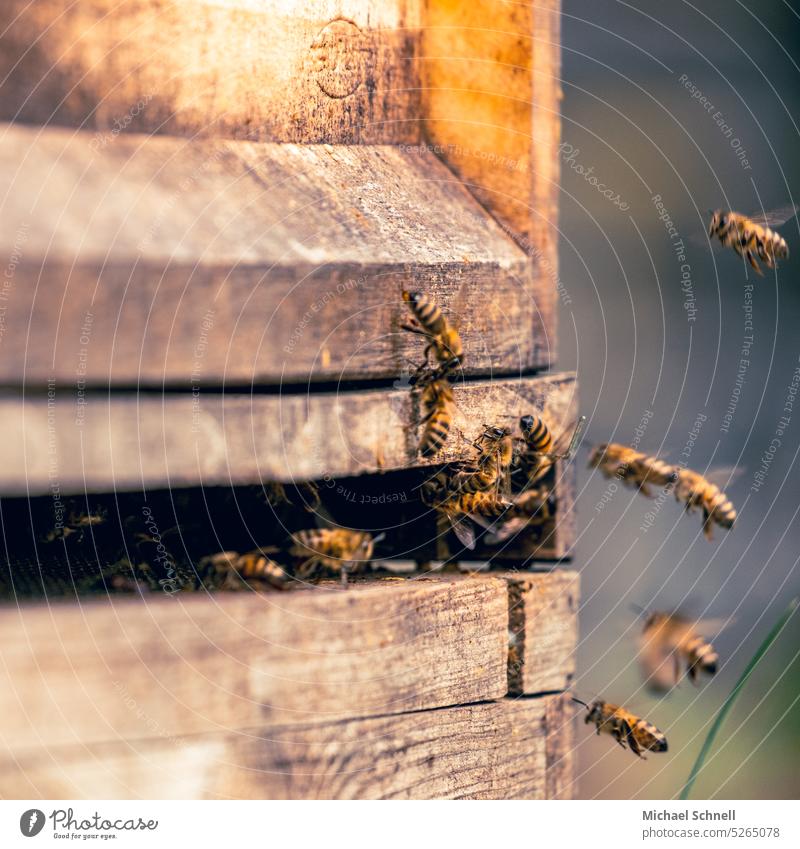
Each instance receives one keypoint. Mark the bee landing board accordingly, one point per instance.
(359, 446)
(508, 749)
(412, 692)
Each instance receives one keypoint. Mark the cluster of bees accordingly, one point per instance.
(670, 644)
(500, 489)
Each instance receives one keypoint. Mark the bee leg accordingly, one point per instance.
(412, 327)
(307, 568)
(677, 667)
(632, 741)
(752, 260)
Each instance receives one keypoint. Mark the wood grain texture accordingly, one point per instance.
(168, 667)
(543, 629)
(499, 750)
(156, 260)
(105, 442)
(278, 70)
(560, 781)
(491, 77)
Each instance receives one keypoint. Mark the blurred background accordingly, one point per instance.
(659, 339)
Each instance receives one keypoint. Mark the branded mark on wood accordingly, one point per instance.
(341, 55)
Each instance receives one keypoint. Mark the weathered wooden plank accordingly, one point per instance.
(75, 442)
(491, 77)
(560, 778)
(168, 667)
(157, 261)
(279, 70)
(543, 630)
(499, 750)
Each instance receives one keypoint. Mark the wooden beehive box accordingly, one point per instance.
(207, 227)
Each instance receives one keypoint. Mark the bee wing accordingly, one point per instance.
(463, 529)
(775, 217)
(712, 626)
(724, 476)
(505, 530)
(567, 440)
(657, 663)
(459, 306)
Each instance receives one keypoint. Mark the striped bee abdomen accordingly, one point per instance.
(649, 737)
(426, 312)
(437, 399)
(536, 433)
(702, 657)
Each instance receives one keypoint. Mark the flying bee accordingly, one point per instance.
(697, 491)
(256, 567)
(669, 643)
(750, 238)
(461, 510)
(492, 466)
(632, 467)
(76, 523)
(624, 727)
(443, 338)
(337, 550)
(539, 450)
(437, 402)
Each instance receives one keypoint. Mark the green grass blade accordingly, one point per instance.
(733, 695)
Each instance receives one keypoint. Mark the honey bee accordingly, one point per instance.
(461, 510)
(276, 495)
(539, 451)
(337, 550)
(253, 567)
(437, 402)
(752, 239)
(670, 642)
(697, 491)
(632, 467)
(76, 523)
(443, 338)
(624, 727)
(492, 465)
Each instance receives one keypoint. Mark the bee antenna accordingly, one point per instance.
(579, 701)
(576, 436)
(380, 537)
(637, 609)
